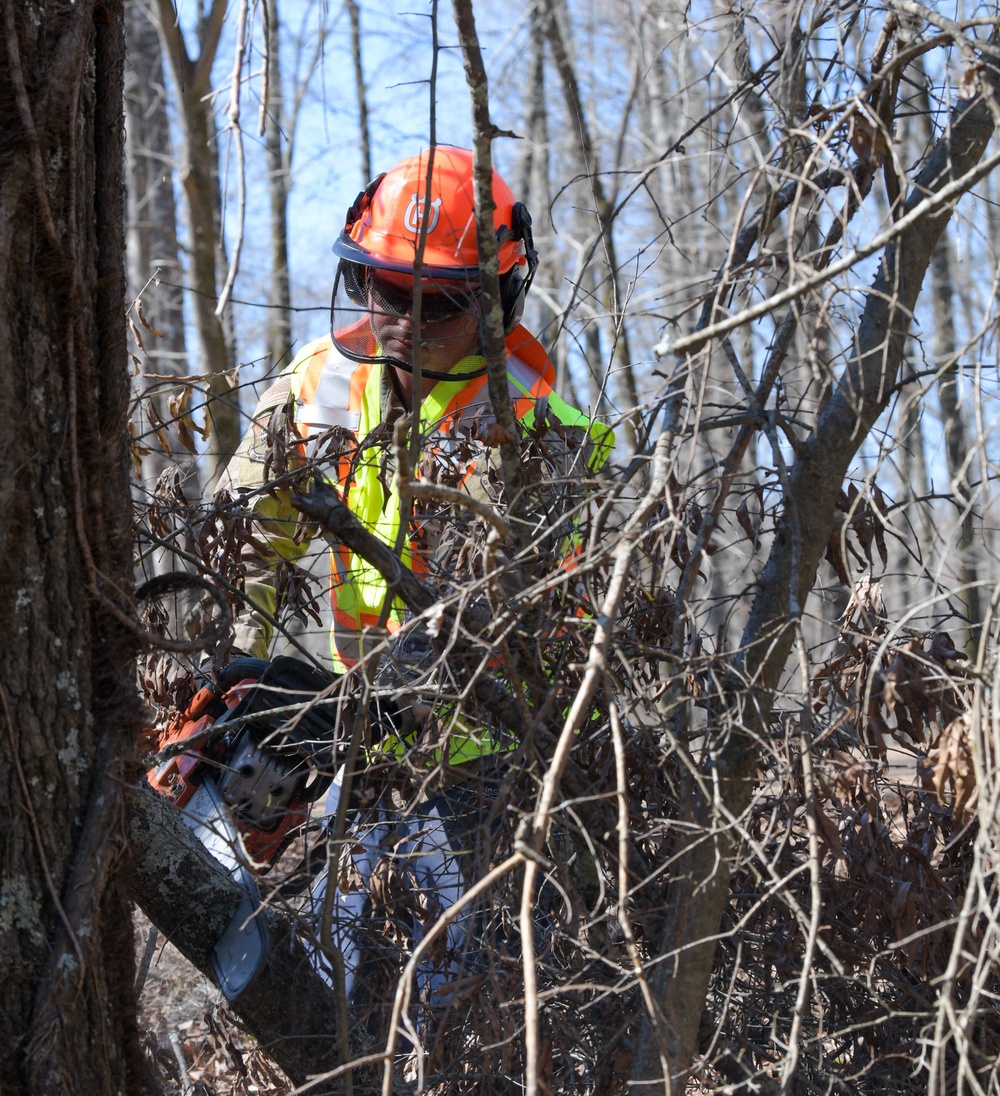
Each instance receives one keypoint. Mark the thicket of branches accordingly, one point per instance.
(747, 840)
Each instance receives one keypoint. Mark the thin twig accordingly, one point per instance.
(144, 963)
(187, 1087)
(931, 204)
(237, 135)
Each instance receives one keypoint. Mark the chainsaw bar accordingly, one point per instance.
(241, 950)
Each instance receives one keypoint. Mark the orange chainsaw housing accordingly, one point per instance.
(177, 778)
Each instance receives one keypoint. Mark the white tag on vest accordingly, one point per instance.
(331, 403)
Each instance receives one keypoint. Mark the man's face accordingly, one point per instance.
(449, 319)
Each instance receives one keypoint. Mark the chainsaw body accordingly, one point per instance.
(268, 752)
(245, 760)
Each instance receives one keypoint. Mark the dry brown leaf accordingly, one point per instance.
(949, 765)
(136, 335)
(880, 507)
(835, 556)
(494, 435)
(944, 651)
(830, 832)
(749, 522)
(904, 692)
(142, 319)
(866, 600)
(184, 434)
(158, 428)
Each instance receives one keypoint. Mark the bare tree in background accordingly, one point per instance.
(361, 90)
(155, 270)
(199, 173)
(278, 153)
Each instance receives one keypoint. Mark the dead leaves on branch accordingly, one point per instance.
(171, 404)
(677, 528)
(948, 771)
(893, 859)
(860, 526)
(918, 688)
(749, 515)
(857, 537)
(220, 539)
(907, 688)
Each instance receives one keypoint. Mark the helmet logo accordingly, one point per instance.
(417, 210)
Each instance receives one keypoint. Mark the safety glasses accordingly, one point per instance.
(436, 306)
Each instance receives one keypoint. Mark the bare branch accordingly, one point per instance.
(494, 348)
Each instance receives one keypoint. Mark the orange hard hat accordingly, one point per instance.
(384, 224)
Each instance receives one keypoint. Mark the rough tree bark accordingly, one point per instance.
(67, 698)
(668, 1043)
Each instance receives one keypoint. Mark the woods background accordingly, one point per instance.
(755, 808)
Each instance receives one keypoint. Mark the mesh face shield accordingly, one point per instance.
(373, 318)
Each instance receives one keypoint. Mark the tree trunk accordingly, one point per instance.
(191, 899)
(67, 698)
(611, 294)
(956, 436)
(200, 178)
(361, 90)
(279, 318)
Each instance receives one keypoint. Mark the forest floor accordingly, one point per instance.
(194, 1042)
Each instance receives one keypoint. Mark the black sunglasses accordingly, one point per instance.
(437, 307)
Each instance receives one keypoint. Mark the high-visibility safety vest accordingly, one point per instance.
(335, 399)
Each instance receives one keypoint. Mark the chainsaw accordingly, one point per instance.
(243, 763)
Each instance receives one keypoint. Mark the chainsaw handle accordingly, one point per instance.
(239, 669)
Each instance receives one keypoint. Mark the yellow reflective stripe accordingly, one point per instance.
(533, 388)
(464, 744)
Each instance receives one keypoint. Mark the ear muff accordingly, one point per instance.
(514, 284)
(362, 203)
(512, 289)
